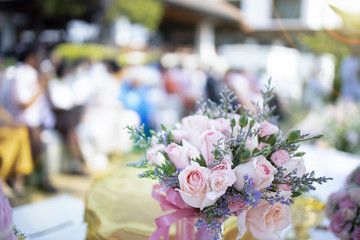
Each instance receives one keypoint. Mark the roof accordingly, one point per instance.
(221, 12)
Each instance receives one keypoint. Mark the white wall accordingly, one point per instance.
(315, 15)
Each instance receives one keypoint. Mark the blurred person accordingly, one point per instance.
(68, 115)
(102, 131)
(133, 95)
(29, 105)
(15, 153)
(49, 65)
(349, 72)
(213, 87)
(314, 92)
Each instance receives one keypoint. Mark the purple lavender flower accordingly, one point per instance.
(251, 195)
(6, 218)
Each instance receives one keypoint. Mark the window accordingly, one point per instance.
(287, 8)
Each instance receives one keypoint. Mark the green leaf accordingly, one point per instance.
(243, 121)
(296, 194)
(168, 167)
(245, 155)
(232, 123)
(201, 161)
(299, 154)
(147, 174)
(266, 151)
(318, 136)
(293, 136)
(163, 127)
(272, 140)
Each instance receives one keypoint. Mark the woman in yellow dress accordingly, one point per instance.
(15, 151)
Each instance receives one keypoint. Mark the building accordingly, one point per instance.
(270, 18)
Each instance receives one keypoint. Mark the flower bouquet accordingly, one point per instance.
(341, 122)
(218, 163)
(343, 209)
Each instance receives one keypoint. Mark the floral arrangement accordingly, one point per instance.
(218, 163)
(343, 209)
(340, 121)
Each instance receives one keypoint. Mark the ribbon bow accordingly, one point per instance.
(172, 201)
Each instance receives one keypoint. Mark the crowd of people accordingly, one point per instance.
(87, 105)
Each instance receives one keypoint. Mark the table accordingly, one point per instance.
(56, 218)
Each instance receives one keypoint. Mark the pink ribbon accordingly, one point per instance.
(173, 201)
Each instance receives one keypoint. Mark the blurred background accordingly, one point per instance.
(74, 73)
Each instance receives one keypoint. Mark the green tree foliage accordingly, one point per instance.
(323, 42)
(147, 12)
(63, 8)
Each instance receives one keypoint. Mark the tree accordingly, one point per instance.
(147, 12)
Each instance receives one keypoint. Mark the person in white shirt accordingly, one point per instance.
(30, 106)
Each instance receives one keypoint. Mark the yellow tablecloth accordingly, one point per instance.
(119, 206)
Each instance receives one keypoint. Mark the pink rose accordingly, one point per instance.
(262, 145)
(222, 125)
(154, 156)
(251, 143)
(260, 169)
(295, 163)
(194, 185)
(178, 156)
(235, 204)
(268, 129)
(225, 166)
(284, 187)
(195, 125)
(191, 151)
(208, 140)
(221, 177)
(265, 221)
(199, 123)
(180, 134)
(280, 157)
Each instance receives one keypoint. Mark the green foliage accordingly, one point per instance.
(322, 42)
(137, 134)
(226, 106)
(98, 52)
(147, 12)
(95, 52)
(265, 112)
(63, 8)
